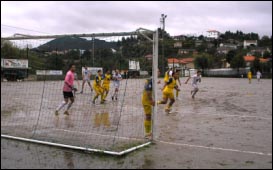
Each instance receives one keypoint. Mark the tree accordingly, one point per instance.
(267, 54)
(217, 60)
(257, 54)
(238, 62)
(230, 55)
(211, 51)
(54, 62)
(8, 50)
(86, 54)
(203, 61)
(266, 67)
(265, 42)
(202, 47)
(201, 37)
(73, 54)
(239, 35)
(256, 64)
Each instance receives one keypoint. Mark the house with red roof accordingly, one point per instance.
(183, 63)
(249, 59)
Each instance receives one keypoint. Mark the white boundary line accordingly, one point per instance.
(240, 116)
(181, 144)
(214, 148)
(77, 147)
(119, 137)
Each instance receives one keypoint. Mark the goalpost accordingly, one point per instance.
(116, 127)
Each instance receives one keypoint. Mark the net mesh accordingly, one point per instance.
(28, 107)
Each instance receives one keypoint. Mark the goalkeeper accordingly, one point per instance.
(147, 103)
(68, 89)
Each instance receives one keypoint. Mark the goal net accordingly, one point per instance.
(32, 78)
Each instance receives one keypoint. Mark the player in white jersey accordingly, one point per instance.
(117, 78)
(259, 75)
(195, 78)
(86, 78)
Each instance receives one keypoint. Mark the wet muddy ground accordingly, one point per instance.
(227, 125)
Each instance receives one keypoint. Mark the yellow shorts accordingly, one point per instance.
(147, 109)
(98, 90)
(106, 87)
(168, 95)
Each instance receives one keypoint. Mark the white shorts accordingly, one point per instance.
(116, 85)
(258, 77)
(194, 86)
(86, 80)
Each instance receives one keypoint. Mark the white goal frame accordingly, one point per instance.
(140, 31)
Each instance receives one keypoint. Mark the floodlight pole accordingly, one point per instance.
(163, 17)
(93, 51)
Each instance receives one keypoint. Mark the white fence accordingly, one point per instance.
(226, 72)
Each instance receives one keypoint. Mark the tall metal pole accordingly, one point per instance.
(27, 59)
(155, 80)
(93, 51)
(56, 59)
(163, 16)
(80, 56)
(120, 57)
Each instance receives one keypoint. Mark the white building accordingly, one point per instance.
(177, 45)
(213, 34)
(250, 43)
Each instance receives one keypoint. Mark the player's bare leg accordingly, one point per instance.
(164, 101)
(194, 92)
(69, 105)
(82, 86)
(90, 86)
(61, 106)
(169, 107)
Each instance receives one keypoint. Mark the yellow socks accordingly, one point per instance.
(147, 125)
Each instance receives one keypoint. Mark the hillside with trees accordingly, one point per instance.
(59, 53)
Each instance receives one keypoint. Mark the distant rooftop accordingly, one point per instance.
(212, 31)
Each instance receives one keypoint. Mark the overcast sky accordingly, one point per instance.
(94, 17)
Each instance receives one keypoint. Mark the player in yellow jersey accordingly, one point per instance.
(168, 74)
(148, 103)
(249, 76)
(168, 92)
(106, 84)
(98, 87)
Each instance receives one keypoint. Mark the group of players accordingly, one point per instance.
(170, 84)
(258, 75)
(101, 86)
